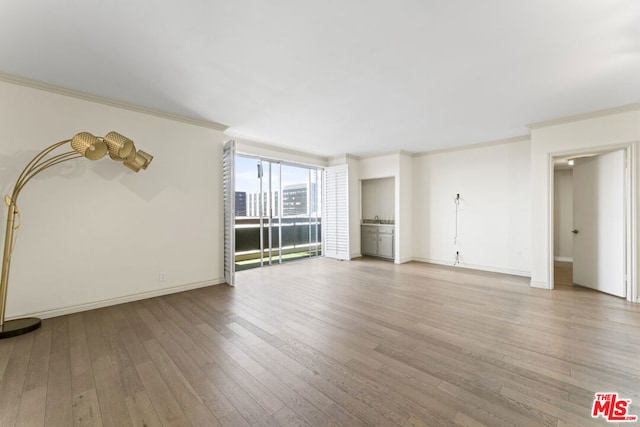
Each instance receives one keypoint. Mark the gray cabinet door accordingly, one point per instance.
(385, 245)
(369, 242)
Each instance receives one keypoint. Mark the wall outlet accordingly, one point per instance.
(162, 276)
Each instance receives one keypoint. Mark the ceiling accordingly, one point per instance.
(333, 77)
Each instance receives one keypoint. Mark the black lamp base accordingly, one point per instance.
(16, 327)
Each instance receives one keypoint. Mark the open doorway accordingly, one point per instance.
(563, 223)
(591, 217)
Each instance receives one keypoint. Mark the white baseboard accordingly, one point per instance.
(404, 260)
(62, 311)
(539, 285)
(355, 255)
(563, 258)
(475, 267)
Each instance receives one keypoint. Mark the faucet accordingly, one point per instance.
(376, 218)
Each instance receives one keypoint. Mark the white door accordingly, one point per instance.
(599, 255)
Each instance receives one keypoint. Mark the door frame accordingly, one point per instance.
(631, 211)
(266, 218)
(266, 224)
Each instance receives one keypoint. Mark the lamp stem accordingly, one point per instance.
(6, 259)
(34, 167)
(39, 167)
(33, 164)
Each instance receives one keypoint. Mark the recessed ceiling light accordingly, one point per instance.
(570, 162)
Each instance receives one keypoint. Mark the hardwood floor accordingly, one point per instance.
(563, 273)
(324, 342)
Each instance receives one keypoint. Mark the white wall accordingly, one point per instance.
(354, 206)
(404, 214)
(563, 215)
(494, 231)
(378, 198)
(615, 128)
(383, 166)
(94, 232)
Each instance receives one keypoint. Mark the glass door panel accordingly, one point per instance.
(315, 186)
(271, 212)
(248, 200)
(278, 212)
(298, 201)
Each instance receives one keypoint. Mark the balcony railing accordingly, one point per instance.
(298, 239)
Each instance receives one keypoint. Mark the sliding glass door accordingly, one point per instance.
(300, 221)
(277, 212)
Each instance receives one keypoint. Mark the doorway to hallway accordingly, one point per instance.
(592, 221)
(563, 274)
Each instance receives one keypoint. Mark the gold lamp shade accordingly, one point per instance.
(129, 157)
(120, 147)
(89, 146)
(141, 161)
(147, 158)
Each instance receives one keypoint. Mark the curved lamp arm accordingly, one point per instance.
(83, 144)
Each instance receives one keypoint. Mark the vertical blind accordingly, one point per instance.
(228, 190)
(336, 215)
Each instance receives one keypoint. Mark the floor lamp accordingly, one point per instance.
(84, 144)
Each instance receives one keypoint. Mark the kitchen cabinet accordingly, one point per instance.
(378, 240)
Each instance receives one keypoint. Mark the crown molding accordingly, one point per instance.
(388, 153)
(343, 158)
(241, 143)
(521, 138)
(60, 90)
(585, 116)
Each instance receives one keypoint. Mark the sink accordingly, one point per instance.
(378, 221)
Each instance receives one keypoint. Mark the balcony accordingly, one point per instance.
(298, 240)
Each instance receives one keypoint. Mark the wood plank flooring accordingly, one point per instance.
(323, 342)
(563, 273)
